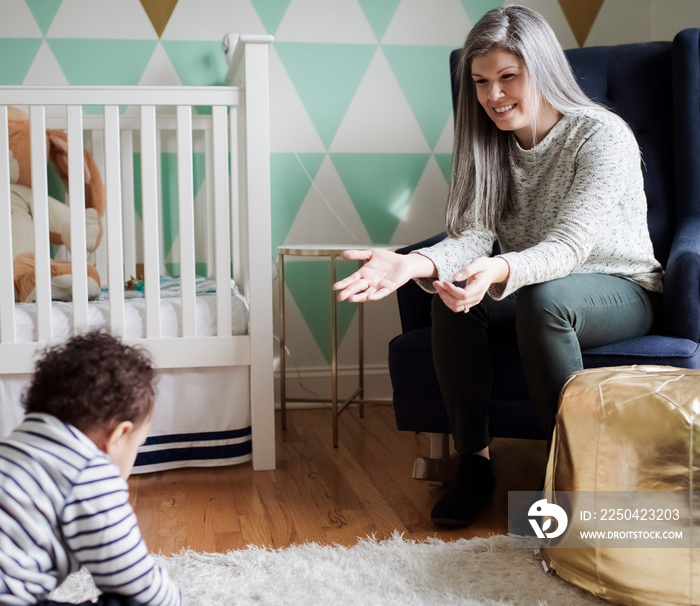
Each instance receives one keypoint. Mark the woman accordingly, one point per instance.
(556, 181)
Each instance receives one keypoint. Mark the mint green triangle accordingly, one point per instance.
(380, 186)
(444, 161)
(171, 219)
(198, 63)
(169, 193)
(102, 62)
(309, 283)
(291, 176)
(326, 77)
(476, 9)
(379, 14)
(44, 12)
(424, 75)
(17, 57)
(271, 12)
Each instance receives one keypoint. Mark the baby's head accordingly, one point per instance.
(100, 386)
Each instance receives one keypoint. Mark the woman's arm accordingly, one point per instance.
(383, 272)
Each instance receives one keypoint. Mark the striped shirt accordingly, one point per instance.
(63, 506)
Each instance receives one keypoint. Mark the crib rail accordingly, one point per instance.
(110, 134)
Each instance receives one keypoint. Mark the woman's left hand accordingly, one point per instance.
(479, 275)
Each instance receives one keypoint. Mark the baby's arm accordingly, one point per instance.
(101, 531)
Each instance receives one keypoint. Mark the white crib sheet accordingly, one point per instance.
(135, 313)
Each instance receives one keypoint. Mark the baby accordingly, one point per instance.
(64, 500)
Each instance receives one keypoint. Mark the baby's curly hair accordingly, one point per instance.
(92, 380)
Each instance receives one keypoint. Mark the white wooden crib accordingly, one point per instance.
(221, 336)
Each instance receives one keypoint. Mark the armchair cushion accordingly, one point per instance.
(682, 282)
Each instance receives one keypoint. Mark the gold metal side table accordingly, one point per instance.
(333, 252)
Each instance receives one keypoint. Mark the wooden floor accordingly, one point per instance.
(319, 493)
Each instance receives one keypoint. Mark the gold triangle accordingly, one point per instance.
(581, 15)
(159, 12)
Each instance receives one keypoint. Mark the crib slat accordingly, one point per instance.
(149, 195)
(97, 146)
(162, 201)
(37, 117)
(237, 184)
(128, 212)
(208, 214)
(7, 289)
(76, 187)
(114, 227)
(185, 188)
(222, 235)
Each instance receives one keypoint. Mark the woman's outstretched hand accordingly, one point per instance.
(383, 272)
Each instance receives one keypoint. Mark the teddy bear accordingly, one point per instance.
(22, 203)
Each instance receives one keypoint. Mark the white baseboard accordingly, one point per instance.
(315, 383)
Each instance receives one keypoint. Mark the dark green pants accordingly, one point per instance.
(552, 322)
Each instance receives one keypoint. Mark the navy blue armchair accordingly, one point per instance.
(655, 87)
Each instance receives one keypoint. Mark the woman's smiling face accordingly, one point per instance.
(503, 89)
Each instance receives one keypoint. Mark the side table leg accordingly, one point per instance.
(361, 361)
(283, 351)
(334, 352)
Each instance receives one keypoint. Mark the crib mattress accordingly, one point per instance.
(135, 313)
(201, 416)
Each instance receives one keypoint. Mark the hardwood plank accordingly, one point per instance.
(244, 497)
(319, 493)
(298, 499)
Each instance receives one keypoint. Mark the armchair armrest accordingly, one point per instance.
(414, 302)
(681, 301)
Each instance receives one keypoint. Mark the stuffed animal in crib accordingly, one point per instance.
(22, 205)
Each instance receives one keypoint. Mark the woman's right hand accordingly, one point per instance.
(383, 272)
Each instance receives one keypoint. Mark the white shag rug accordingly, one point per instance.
(392, 572)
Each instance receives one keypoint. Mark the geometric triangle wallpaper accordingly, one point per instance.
(197, 62)
(44, 11)
(102, 62)
(159, 12)
(291, 177)
(271, 12)
(476, 8)
(581, 16)
(326, 76)
(303, 277)
(380, 186)
(360, 105)
(379, 14)
(420, 72)
(18, 55)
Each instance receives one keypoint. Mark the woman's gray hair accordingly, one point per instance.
(479, 193)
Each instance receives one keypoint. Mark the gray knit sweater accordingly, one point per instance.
(579, 207)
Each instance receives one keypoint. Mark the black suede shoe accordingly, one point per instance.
(471, 492)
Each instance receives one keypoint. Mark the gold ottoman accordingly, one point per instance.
(630, 428)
